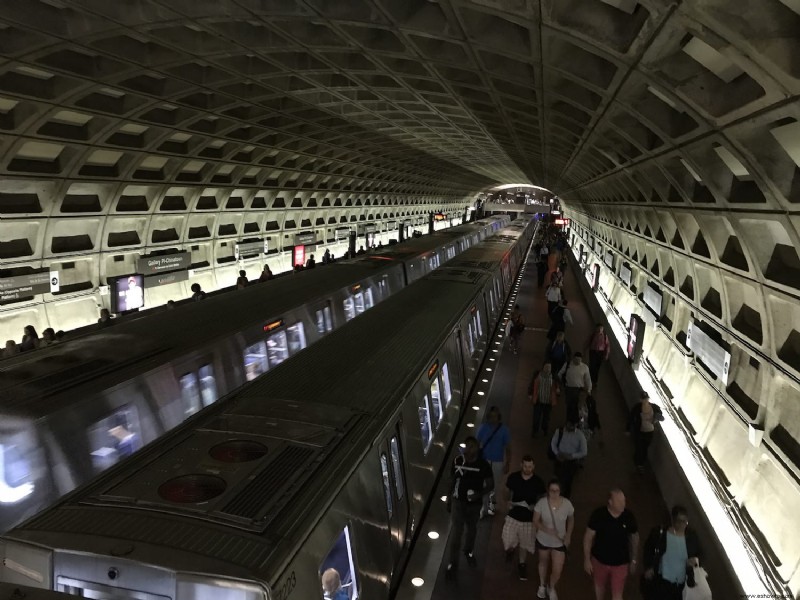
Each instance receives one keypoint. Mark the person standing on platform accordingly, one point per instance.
(558, 353)
(495, 442)
(588, 419)
(554, 520)
(599, 349)
(472, 481)
(524, 488)
(544, 252)
(576, 379)
(610, 546)
(541, 272)
(670, 554)
(568, 446)
(642, 426)
(559, 319)
(543, 393)
(553, 295)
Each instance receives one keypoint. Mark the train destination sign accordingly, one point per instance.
(152, 265)
(31, 284)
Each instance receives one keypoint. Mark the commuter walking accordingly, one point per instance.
(599, 349)
(495, 442)
(576, 379)
(554, 520)
(541, 272)
(642, 425)
(559, 319)
(568, 448)
(516, 328)
(553, 295)
(558, 353)
(523, 489)
(610, 546)
(472, 481)
(543, 393)
(670, 554)
(588, 419)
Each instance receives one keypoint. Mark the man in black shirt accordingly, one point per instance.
(472, 480)
(524, 489)
(610, 546)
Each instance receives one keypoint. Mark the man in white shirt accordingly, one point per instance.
(576, 378)
(570, 448)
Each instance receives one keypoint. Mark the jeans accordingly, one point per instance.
(541, 416)
(596, 358)
(566, 471)
(499, 482)
(641, 443)
(463, 515)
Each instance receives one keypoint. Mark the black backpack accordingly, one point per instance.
(550, 454)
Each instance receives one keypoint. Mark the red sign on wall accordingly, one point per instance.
(299, 256)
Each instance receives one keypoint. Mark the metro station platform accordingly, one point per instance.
(609, 464)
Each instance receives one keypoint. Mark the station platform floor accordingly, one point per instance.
(609, 463)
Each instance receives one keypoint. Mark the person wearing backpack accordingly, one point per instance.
(495, 440)
(559, 319)
(642, 426)
(671, 553)
(599, 349)
(568, 448)
(558, 353)
(543, 393)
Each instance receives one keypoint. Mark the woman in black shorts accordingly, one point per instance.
(553, 518)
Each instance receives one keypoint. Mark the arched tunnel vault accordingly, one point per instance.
(138, 126)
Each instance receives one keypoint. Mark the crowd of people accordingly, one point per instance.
(540, 518)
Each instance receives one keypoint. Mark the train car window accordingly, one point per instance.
(470, 341)
(296, 334)
(337, 572)
(208, 385)
(491, 300)
(425, 423)
(359, 301)
(115, 437)
(277, 348)
(369, 302)
(198, 587)
(324, 320)
(436, 403)
(387, 486)
(382, 285)
(349, 306)
(20, 462)
(190, 394)
(448, 394)
(478, 329)
(397, 467)
(255, 360)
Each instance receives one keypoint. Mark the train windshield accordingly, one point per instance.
(337, 572)
(20, 461)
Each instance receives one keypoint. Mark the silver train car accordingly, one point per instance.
(23, 592)
(70, 411)
(325, 463)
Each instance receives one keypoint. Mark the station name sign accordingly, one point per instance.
(307, 238)
(366, 228)
(31, 284)
(342, 232)
(250, 249)
(152, 265)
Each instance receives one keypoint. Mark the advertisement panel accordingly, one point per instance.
(127, 292)
(714, 356)
(299, 256)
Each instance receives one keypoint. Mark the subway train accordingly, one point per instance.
(316, 473)
(72, 410)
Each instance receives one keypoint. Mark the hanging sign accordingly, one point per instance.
(31, 284)
(150, 265)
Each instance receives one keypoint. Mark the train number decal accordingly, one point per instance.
(286, 588)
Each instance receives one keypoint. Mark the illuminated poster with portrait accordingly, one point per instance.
(127, 293)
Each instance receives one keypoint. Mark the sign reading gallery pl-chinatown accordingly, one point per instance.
(250, 249)
(31, 284)
(152, 265)
(305, 238)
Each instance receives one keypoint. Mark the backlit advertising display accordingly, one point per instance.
(299, 256)
(635, 338)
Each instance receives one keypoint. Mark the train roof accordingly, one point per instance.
(55, 369)
(315, 416)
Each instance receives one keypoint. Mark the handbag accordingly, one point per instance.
(700, 590)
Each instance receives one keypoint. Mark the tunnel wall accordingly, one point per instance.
(754, 474)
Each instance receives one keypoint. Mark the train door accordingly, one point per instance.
(394, 488)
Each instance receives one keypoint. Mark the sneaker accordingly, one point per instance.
(541, 592)
(552, 594)
(509, 554)
(523, 572)
(470, 559)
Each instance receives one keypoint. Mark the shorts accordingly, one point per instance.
(518, 533)
(561, 548)
(605, 574)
